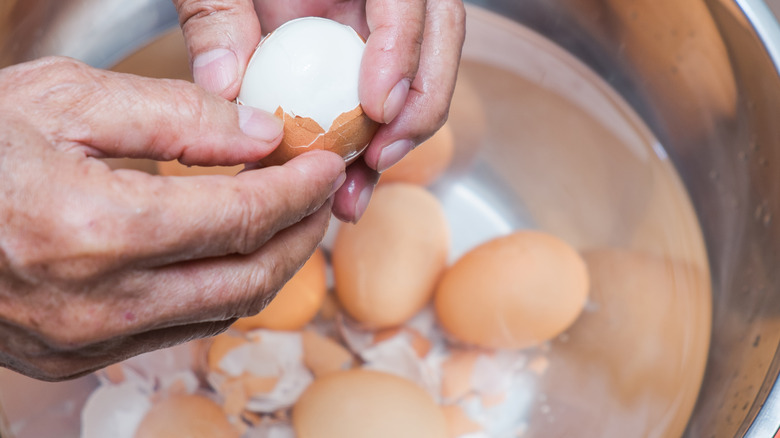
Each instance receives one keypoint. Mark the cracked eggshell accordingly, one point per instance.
(306, 72)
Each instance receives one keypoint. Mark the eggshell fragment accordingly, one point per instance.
(514, 291)
(458, 422)
(296, 303)
(386, 266)
(426, 163)
(114, 410)
(191, 416)
(324, 355)
(306, 72)
(361, 403)
(457, 372)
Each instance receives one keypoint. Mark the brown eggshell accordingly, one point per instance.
(458, 422)
(191, 416)
(221, 345)
(362, 403)
(348, 136)
(386, 266)
(296, 303)
(426, 163)
(323, 355)
(514, 291)
(457, 372)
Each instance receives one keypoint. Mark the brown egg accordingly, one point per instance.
(191, 416)
(386, 266)
(297, 302)
(362, 403)
(174, 168)
(514, 291)
(425, 163)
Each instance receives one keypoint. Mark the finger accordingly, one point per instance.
(206, 216)
(428, 101)
(391, 57)
(221, 36)
(120, 115)
(98, 221)
(215, 289)
(273, 13)
(37, 359)
(351, 199)
(212, 289)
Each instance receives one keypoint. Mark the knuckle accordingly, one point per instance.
(61, 255)
(193, 10)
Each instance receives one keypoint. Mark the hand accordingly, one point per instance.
(407, 77)
(97, 265)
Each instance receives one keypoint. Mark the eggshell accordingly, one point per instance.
(191, 416)
(306, 72)
(386, 266)
(457, 372)
(296, 303)
(362, 403)
(426, 163)
(221, 345)
(458, 422)
(324, 355)
(514, 291)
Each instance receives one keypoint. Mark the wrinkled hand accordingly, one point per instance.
(97, 265)
(407, 76)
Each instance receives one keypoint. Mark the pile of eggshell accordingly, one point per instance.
(377, 335)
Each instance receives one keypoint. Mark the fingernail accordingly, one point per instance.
(259, 124)
(396, 100)
(215, 70)
(392, 154)
(338, 183)
(362, 202)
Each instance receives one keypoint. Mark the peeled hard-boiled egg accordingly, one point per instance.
(306, 72)
(514, 291)
(362, 403)
(386, 266)
(297, 302)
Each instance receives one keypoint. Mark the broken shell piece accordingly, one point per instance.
(115, 410)
(265, 371)
(323, 355)
(458, 422)
(457, 372)
(306, 72)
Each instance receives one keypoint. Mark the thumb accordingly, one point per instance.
(221, 36)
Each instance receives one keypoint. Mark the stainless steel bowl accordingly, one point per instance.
(698, 78)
